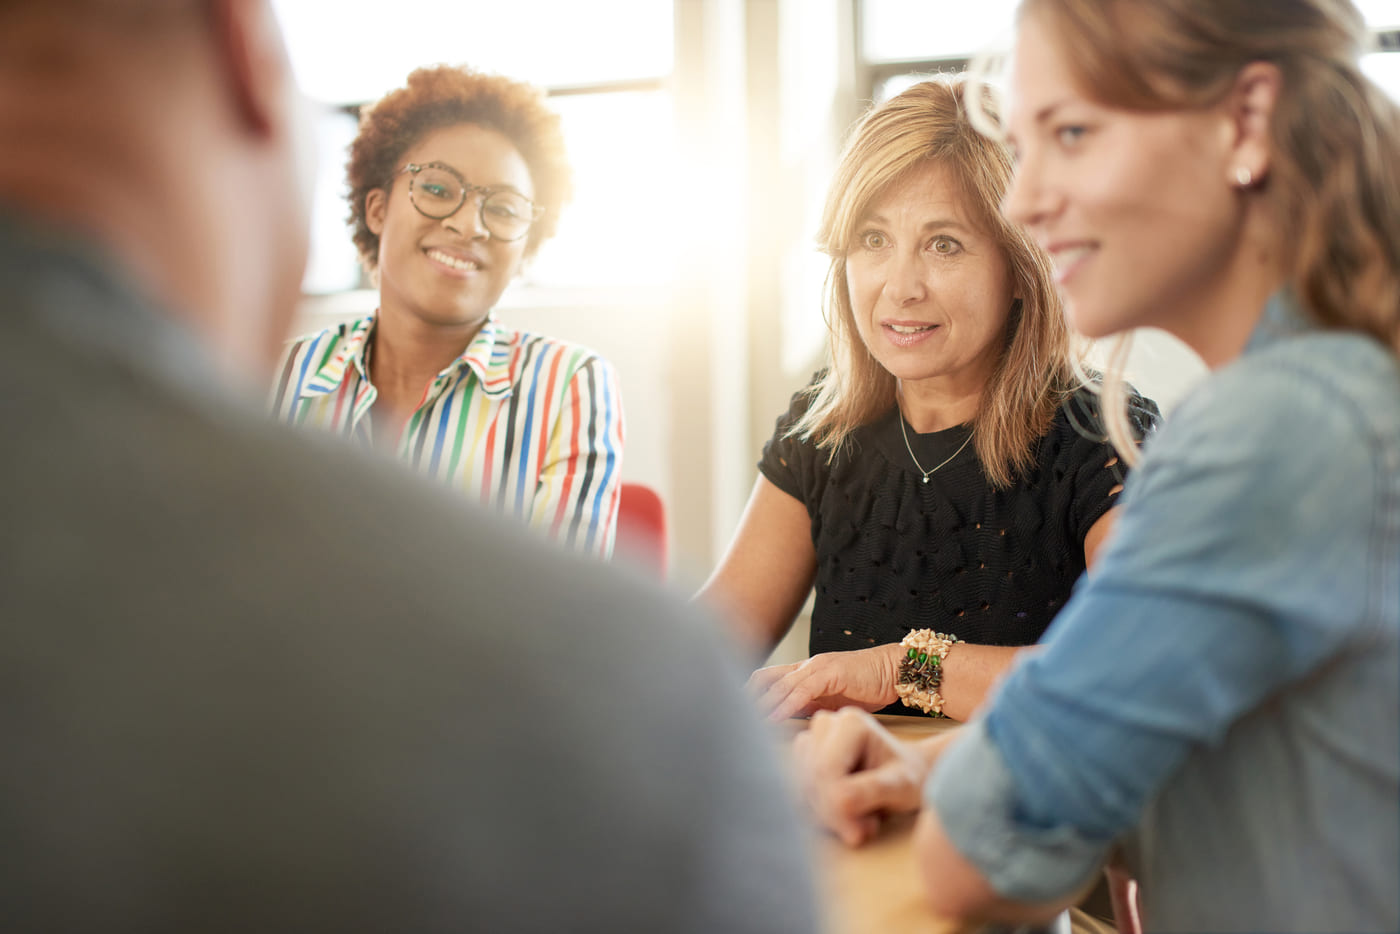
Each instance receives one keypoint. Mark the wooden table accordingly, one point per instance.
(875, 888)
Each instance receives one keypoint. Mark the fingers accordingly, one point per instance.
(761, 679)
(852, 774)
(793, 694)
(889, 788)
(825, 681)
(773, 687)
(835, 745)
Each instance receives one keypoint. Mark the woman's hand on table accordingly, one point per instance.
(864, 678)
(853, 772)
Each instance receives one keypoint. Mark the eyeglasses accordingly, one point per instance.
(438, 191)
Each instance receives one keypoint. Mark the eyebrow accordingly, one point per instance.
(941, 223)
(1041, 116)
(1048, 111)
(504, 186)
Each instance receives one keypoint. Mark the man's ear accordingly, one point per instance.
(376, 203)
(254, 61)
(1250, 108)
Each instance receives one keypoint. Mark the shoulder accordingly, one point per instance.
(309, 350)
(1275, 484)
(539, 357)
(783, 437)
(543, 347)
(800, 401)
(1302, 399)
(305, 356)
(1081, 414)
(723, 757)
(313, 610)
(1295, 443)
(334, 335)
(790, 461)
(1078, 434)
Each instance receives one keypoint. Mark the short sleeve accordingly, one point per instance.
(1088, 472)
(789, 462)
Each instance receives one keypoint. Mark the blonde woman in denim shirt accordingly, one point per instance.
(1220, 702)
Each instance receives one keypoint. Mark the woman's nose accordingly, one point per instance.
(1027, 200)
(905, 283)
(467, 219)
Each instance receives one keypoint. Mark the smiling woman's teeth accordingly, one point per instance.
(454, 262)
(1064, 259)
(908, 329)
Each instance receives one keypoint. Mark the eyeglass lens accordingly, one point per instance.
(437, 193)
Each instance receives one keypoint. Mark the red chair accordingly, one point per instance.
(642, 536)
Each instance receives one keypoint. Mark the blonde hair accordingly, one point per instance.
(1334, 180)
(928, 124)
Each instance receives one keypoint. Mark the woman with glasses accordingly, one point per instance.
(455, 180)
(944, 474)
(1221, 699)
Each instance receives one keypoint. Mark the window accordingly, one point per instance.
(926, 30)
(333, 265)
(903, 40)
(622, 148)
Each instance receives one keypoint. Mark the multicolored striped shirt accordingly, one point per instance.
(528, 424)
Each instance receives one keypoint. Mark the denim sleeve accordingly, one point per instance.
(1032, 864)
(1239, 564)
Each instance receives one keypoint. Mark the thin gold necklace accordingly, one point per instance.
(920, 467)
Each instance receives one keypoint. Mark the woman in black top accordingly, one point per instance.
(945, 472)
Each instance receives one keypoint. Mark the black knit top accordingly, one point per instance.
(955, 555)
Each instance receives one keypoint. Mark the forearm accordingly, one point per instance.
(956, 888)
(969, 674)
(958, 891)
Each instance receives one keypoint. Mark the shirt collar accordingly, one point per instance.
(488, 356)
(1283, 318)
(351, 350)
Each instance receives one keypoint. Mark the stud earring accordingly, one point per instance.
(1243, 176)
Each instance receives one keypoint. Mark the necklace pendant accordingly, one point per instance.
(926, 479)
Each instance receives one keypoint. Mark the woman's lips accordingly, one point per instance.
(1068, 259)
(460, 265)
(907, 333)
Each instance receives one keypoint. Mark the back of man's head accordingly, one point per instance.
(170, 132)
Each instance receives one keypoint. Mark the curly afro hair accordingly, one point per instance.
(443, 96)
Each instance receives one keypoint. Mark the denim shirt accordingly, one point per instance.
(1222, 695)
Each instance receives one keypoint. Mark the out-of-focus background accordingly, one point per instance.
(702, 134)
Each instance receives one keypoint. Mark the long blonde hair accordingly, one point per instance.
(1334, 181)
(928, 124)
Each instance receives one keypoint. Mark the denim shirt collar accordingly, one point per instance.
(1283, 318)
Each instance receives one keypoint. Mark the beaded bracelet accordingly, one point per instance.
(921, 669)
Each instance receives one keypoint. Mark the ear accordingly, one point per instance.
(376, 203)
(1250, 109)
(253, 61)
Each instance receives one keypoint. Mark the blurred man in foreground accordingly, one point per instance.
(199, 733)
